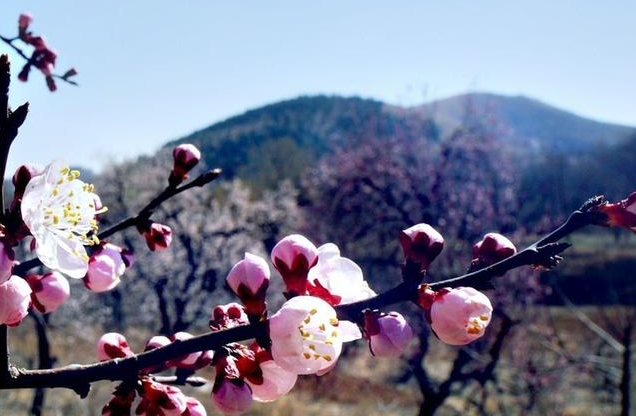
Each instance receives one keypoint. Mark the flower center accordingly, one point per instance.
(476, 325)
(319, 334)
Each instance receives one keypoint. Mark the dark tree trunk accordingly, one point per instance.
(627, 371)
(44, 361)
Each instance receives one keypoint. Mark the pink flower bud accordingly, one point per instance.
(24, 74)
(106, 266)
(186, 156)
(158, 236)
(293, 257)
(388, 333)
(231, 396)
(492, 249)
(38, 42)
(228, 316)
(460, 316)
(421, 243)
(15, 300)
(195, 408)
(24, 21)
(113, 345)
(186, 360)
(160, 400)
(49, 291)
(7, 261)
(157, 341)
(622, 213)
(23, 175)
(249, 280)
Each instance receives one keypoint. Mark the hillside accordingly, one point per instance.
(305, 127)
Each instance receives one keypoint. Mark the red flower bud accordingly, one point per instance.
(158, 236)
(421, 243)
(249, 280)
(113, 345)
(186, 157)
(622, 213)
(293, 256)
(492, 249)
(228, 316)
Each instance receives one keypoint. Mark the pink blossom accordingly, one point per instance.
(460, 316)
(249, 280)
(105, 267)
(7, 260)
(186, 157)
(158, 236)
(307, 336)
(337, 280)
(157, 341)
(195, 408)
(293, 257)
(492, 249)
(388, 333)
(15, 300)
(228, 316)
(231, 396)
(622, 213)
(276, 382)
(49, 291)
(161, 400)
(421, 244)
(113, 345)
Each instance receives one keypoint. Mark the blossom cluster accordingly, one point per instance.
(59, 211)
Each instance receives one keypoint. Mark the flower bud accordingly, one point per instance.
(113, 345)
(249, 280)
(23, 175)
(492, 249)
(622, 213)
(231, 396)
(106, 266)
(186, 156)
(293, 256)
(186, 360)
(421, 243)
(24, 21)
(7, 261)
(49, 291)
(15, 300)
(157, 341)
(228, 316)
(460, 315)
(388, 333)
(194, 408)
(23, 75)
(158, 236)
(160, 399)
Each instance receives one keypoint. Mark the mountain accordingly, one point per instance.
(300, 129)
(529, 122)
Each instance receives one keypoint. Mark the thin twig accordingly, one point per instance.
(20, 52)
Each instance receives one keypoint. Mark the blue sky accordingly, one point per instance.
(154, 70)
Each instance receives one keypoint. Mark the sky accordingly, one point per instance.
(155, 70)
